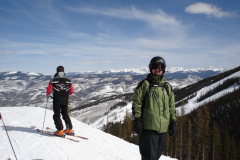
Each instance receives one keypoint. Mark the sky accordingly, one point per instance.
(92, 35)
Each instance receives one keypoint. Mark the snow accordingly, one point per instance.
(177, 69)
(13, 72)
(116, 115)
(22, 122)
(32, 73)
(193, 104)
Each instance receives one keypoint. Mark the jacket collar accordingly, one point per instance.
(159, 80)
(59, 74)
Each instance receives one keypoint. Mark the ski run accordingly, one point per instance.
(193, 104)
(22, 124)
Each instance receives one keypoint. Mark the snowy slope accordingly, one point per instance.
(193, 104)
(21, 123)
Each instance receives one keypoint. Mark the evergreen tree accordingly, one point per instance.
(127, 127)
(238, 152)
(205, 131)
(177, 137)
(198, 130)
(182, 119)
(226, 144)
(233, 149)
(120, 134)
(217, 145)
(172, 144)
(189, 139)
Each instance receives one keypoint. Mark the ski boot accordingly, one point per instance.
(69, 132)
(60, 133)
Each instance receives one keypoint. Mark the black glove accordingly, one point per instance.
(172, 128)
(137, 126)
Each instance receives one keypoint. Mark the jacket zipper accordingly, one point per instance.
(158, 97)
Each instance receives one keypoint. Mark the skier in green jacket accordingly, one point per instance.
(153, 111)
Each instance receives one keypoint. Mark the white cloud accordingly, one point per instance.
(61, 63)
(144, 56)
(53, 52)
(106, 61)
(26, 61)
(7, 52)
(122, 57)
(208, 9)
(155, 19)
(86, 62)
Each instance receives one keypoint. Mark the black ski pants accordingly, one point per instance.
(61, 109)
(151, 144)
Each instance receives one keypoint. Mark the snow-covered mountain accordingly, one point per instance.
(145, 70)
(21, 124)
(28, 89)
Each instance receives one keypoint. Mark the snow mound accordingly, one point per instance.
(22, 122)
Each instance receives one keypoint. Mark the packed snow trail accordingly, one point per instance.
(193, 104)
(22, 122)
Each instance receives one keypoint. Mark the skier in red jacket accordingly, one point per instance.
(61, 87)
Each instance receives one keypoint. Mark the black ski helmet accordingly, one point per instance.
(157, 60)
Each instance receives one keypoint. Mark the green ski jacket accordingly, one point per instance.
(155, 109)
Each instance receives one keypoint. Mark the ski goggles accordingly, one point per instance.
(158, 66)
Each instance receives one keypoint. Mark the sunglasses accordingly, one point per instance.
(158, 66)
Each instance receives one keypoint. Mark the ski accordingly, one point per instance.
(68, 134)
(46, 132)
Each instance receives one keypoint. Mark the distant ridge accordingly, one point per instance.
(127, 71)
(145, 70)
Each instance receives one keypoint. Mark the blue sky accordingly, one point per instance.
(92, 35)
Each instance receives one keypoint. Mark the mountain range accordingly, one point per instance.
(28, 89)
(145, 70)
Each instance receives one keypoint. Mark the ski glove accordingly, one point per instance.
(137, 126)
(172, 128)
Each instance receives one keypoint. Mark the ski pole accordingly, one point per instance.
(44, 116)
(8, 136)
